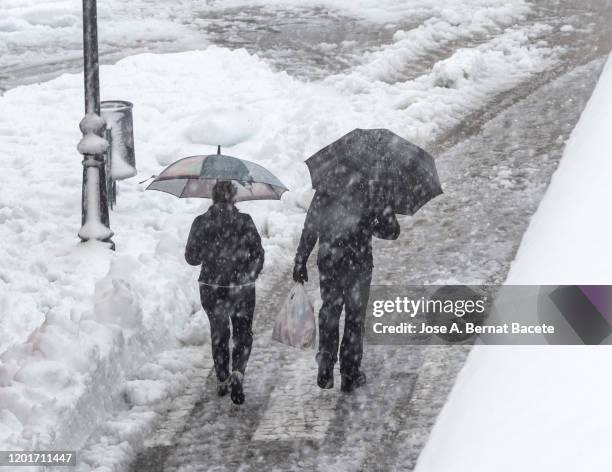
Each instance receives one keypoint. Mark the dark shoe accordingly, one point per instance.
(351, 382)
(325, 377)
(223, 387)
(236, 392)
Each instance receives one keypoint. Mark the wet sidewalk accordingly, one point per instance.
(288, 423)
(493, 183)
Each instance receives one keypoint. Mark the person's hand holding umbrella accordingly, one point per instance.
(384, 222)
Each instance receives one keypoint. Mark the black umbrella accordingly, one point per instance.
(406, 173)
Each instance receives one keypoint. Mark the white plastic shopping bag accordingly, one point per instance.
(295, 324)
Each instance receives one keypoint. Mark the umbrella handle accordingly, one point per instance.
(146, 180)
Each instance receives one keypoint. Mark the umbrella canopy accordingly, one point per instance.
(195, 176)
(406, 173)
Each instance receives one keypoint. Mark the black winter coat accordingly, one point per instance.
(228, 246)
(344, 227)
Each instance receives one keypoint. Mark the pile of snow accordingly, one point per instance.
(425, 105)
(574, 212)
(34, 32)
(544, 408)
(169, 382)
(453, 23)
(523, 408)
(223, 127)
(78, 319)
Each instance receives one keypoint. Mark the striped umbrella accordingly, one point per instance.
(195, 176)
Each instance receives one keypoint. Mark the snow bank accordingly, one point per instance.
(456, 22)
(568, 240)
(543, 408)
(223, 127)
(166, 386)
(81, 318)
(35, 32)
(525, 408)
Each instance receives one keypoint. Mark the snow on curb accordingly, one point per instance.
(568, 240)
(38, 32)
(157, 388)
(542, 408)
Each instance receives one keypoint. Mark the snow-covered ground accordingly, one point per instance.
(544, 408)
(33, 32)
(78, 321)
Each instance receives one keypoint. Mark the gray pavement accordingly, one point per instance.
(288, 423)
(493, 183)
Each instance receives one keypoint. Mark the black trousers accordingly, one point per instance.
(347, 288)
(223, 304)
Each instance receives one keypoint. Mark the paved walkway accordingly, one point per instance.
(288, 423)
(493, 183)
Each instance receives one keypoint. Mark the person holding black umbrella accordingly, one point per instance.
(361, 180)
(343, 225)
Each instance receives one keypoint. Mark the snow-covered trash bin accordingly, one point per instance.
(120, 126)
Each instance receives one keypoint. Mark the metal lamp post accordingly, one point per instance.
(95, 215)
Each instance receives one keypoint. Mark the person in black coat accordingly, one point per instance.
(227, 245)
(344, 226)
